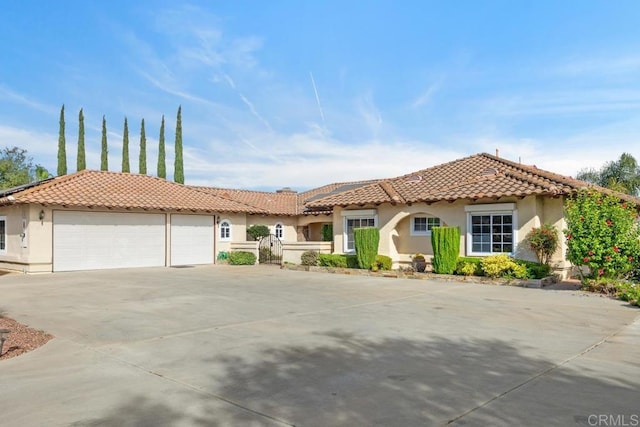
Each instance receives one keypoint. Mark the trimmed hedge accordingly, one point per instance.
(327, 232)
(242, 258)
(446, 248)
(473, 266)
(366, 243)
(382, 262)
(338, 260)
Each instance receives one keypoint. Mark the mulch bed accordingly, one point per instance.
(21, 339)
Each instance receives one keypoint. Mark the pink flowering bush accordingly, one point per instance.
(602, 233)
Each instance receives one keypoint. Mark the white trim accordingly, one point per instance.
(224, 239)
(491, 207)
(4, 251)
(359, 212)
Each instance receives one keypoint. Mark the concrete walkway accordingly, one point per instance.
(229, 346)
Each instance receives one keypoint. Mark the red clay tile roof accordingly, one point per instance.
(473, 177)
(103, 189)
(274, 203)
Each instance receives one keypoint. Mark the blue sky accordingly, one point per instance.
(302, 93)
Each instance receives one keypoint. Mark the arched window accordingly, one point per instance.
(279, 231)
(225, 229)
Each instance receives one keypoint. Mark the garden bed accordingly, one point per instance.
(526, 283)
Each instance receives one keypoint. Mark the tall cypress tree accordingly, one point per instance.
(142, 168)
(125, 147)
(104, 155)
(178, 167)
(162, 166)
(81, 163)
(62, 149)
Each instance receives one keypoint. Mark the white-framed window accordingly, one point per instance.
(278, 230)
(357, 219)
(422, 225)
(492, 229)
(3, 234)
(225, 229)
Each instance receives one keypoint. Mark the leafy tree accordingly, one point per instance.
(543, 241)
(16, 168)
(622, 175)
(125, 147)
(162, 166)
(104, 154)
(142, 168)
(178, 168)
(602, 233)
(256, 231)
(62, 149)
(81, 163)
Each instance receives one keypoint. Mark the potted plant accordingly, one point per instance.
(418, 263)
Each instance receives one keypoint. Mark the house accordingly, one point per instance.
(94, 219)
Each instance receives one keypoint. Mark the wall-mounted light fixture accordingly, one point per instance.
(41, 215)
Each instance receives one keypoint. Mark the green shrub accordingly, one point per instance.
(256, 231)
(544, 242)
(333, 260)
(327, 232)
(446, 248)
(310, 258)
(241, 258)
(352, 261)
(464, 265)
(222, 255)
(535, 270)
(366, 243)
(503, 266)
(629, 292)
(602, 233)
(382, 262)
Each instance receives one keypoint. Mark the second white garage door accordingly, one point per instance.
(192, 239)
(99, 240)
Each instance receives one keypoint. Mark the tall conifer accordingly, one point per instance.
(178, 169)
(125, 147)
(142, 168)
(81, 162)
(104, 154)
(62, 149)
(162, 166)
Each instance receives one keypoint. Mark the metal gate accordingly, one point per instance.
(270, 250)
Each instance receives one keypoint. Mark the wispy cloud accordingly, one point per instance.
(315, 91)
(7, 94)
(369, 113)
(425, 97)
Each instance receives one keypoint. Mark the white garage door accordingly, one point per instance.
(99, 240)
(191, 239)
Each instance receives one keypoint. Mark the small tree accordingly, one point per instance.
(62, 149)
(602, 233)
(142, 164)
(125, 147)
(104, 152)
(366, 242)
(81, 162)
(446, 248)
(256, 232)
(544, 242)
(162, 166)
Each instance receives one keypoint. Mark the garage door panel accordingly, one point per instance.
(192, 239)
(98, 240)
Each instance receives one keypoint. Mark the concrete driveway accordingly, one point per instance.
(253, 346)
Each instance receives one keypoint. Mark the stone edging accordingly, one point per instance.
(525, 283)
